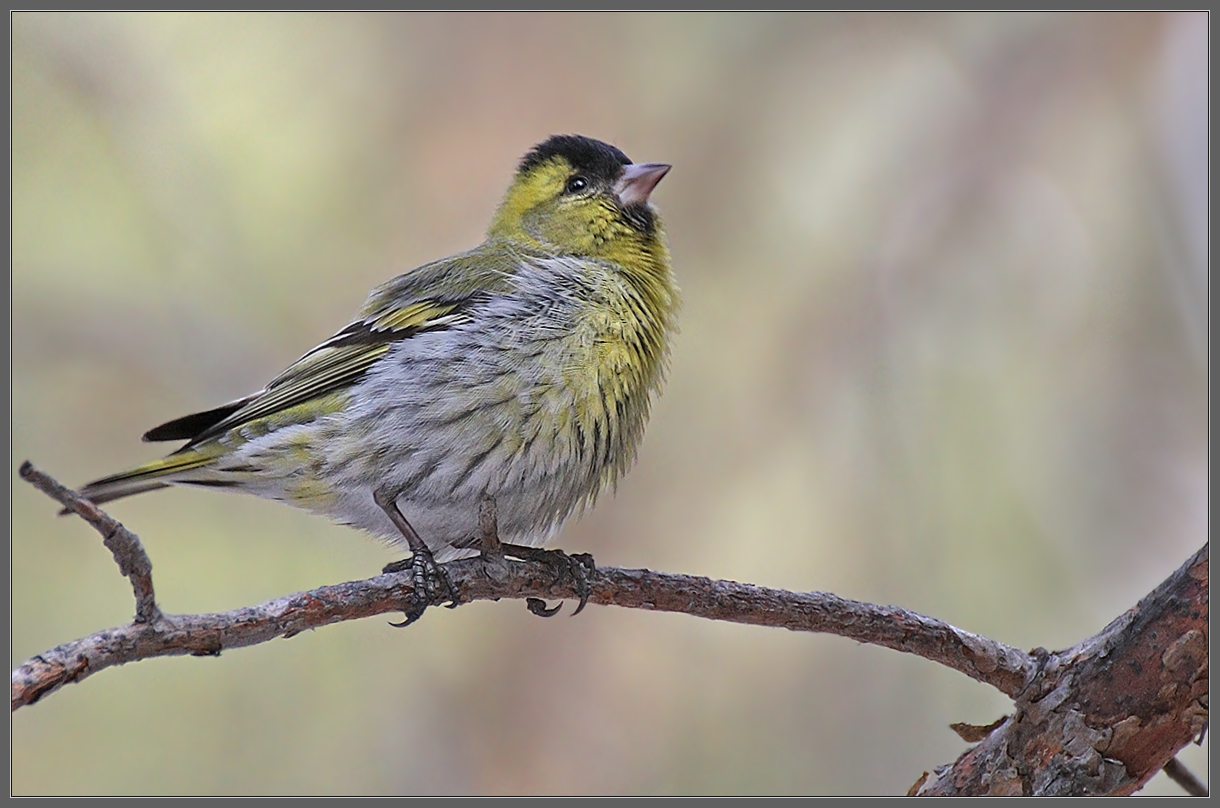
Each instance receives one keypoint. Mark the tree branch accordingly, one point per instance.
(1108, 713)
(488, 578)
(124, 545)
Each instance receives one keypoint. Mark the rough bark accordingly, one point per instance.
(1106, 715)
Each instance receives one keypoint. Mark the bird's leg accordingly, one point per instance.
(427, 572)
(491, 551)
(580, 567)
(490, 548)
(489, 533)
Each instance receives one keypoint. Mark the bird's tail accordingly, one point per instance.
(149, 476)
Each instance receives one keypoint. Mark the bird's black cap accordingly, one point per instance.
(600, 160)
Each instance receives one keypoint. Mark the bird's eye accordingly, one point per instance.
(575, 185)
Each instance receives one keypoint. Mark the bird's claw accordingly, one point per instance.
(579, 567)
(411, 615)
(582, 568)
(431, 585)
(537, 606)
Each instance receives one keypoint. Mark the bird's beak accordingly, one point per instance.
(637, 182)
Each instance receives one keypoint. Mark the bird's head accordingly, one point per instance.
(577, 196)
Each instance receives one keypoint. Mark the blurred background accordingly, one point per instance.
(944, 346)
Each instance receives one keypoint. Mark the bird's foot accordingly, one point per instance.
(432, 583)
(579, 568)
(431, 586)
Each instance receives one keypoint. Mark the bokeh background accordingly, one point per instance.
(944, 345)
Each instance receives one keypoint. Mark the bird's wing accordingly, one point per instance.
(432, 297)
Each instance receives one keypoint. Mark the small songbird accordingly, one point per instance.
(520, 373)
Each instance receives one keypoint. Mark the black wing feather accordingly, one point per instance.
(188, 427)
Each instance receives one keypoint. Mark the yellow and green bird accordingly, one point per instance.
(520, 372)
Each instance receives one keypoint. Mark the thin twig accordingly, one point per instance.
(1176, 771)
(209, 634)
(124, 545)
(1005, 668)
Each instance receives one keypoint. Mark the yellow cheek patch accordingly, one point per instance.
(543, 183)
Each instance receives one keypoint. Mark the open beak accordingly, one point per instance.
(637, 182)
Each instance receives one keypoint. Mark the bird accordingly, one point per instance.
(519, 374)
